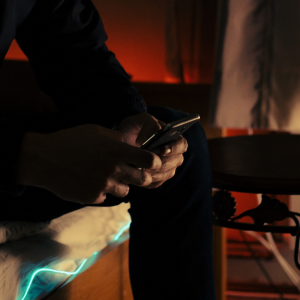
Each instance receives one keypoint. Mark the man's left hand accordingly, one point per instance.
(137, 129)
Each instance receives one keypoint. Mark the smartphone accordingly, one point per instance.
(169, 133)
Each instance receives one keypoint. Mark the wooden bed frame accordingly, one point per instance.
(107, 279)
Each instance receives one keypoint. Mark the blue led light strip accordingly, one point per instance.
(54, 271)
(69, 273)
(121, 231)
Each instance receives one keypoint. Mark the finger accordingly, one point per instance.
(168, 163)
(131, 175)
(178, 146)
(164, 176)
(116, 188)
(142, 158)
(100, 199)
(149, 128)
(154, 185)
(161, 123)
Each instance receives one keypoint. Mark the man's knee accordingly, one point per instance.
(166, 114)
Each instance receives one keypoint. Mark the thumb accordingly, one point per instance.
(149, 128)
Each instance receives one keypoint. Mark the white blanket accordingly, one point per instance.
(63, 245)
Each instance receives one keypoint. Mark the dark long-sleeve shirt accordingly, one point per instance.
(64, 41)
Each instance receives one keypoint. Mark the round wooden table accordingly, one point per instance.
(260, 164)
(267, 164)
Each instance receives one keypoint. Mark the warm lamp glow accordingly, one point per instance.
(15, 53)
(139, 62)
(169, 79)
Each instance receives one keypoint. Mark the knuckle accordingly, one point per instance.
(143, 178)
(116, 170)
(155, 124)
(100, 199)
(105, 184)
(96, 200)
(162, 168)
(115, 190)
(156, 177)
(151, 161)
(119, 190)
(163, 177)
(170, 174)
(125, 192)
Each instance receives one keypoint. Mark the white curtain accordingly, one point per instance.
(257, 72)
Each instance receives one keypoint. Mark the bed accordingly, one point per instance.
(38, 258)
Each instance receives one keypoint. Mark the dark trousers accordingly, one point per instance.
(171, 230)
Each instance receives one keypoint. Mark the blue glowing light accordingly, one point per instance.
(121, 231)
(117, 236)
(53, 271)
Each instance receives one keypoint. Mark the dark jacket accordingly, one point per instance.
(64, 41)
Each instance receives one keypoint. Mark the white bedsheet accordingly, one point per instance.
(63, 245)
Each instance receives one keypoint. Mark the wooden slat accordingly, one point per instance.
(220, 262)
(107, 279)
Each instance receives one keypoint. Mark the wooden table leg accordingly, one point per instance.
(220, 262)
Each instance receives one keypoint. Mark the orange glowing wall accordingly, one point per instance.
(15, 52)
(136, 33)
(135, 30)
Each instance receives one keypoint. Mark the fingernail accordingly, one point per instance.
(167, 150)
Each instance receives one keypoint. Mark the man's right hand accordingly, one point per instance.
(84, 163)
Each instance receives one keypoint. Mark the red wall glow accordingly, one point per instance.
(15, 52)
(135, 32)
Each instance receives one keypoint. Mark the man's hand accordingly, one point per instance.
(84, 163)
(137, 129)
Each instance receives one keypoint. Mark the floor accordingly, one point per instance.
(246, 279)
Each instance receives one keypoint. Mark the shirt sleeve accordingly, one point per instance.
(64, 41)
